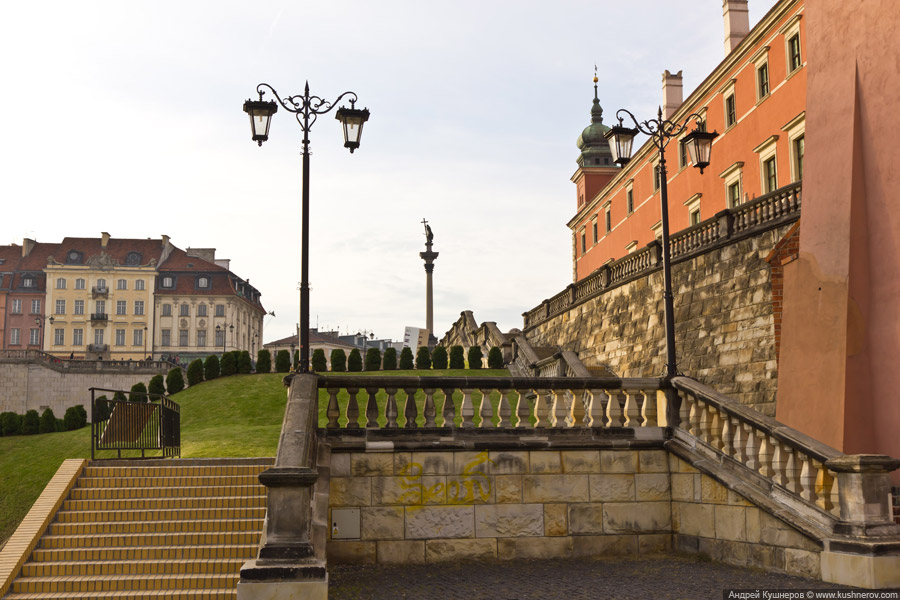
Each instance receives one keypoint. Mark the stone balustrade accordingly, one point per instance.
(81, 366)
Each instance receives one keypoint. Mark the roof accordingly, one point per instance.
(118, 249)
(186, 270)
(314, 338)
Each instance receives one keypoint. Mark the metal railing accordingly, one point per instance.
(99, 316)
(134, 421)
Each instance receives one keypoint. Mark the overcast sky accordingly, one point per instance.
(126, 117)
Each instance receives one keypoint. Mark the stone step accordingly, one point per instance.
(166, 492)
(81, 542)
(156, 526)
(147, 553)
(175, 470)
(136, 567)
(167, 481)
(217, 594)
(165, 503)
(122, 583)
(169, 514)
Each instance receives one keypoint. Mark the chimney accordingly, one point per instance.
(673, 93)
(104, 239)
(165, 240)
(737, 23)
(27, 247)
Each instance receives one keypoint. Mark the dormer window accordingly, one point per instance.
(74, 257)
(133, 259)
(203, 282)
(168, 282)
(28, 281)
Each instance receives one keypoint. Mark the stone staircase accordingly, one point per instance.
(150, 529)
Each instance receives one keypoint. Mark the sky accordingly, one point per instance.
(126, 117)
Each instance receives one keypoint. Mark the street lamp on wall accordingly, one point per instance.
(306, 110)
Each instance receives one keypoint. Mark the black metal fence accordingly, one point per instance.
(132, 421)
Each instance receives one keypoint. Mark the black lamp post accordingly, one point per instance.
(699, 146)
(306, 108)
(39, 321)
(145, 342)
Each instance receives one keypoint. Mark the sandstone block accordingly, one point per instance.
(733, 553)
(765, 557)
(402, 462)
(653, 461)
(682, 487)
(586, 518)
(654, 543)
(776, 533)
(618, 461)
(802, 562)
(612, 488)
(350, 553)
(350, 491)
(429, 522)
(676, 465)
(340, 464)
(555, 488)
(403, 552)
(604, 545)
(652, 487)
(555, 519)
(712, 492)
(694, 519)
(434, 489)
(434, 463)
(730, 523)
(545, 462)
(382, 523)
(651, 517)
(371, 463)
(470, 489)
(529, 547)
(396, 490)
(460, 550)
(508, 488)
(509, 520)
(751, 517)
(471, 463)
(509, 463)
(581, 461)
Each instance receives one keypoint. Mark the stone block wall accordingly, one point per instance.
(724, 326)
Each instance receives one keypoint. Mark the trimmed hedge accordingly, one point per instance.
(354, 361)
(48, 421)
(75, 418)
(138, 393)
(211, 368)
(406, 359)
(439, 358)
(389, 362)
(174, 381)
(423, 358)
(457, 359)
(495, 358)
(195, 372)
(31, 422)
(475, 357)
(244, 364)
(319, 363)
(156, 387)
(283, 361)
(228, 365)
(338, 361)
(373, 359)
(10, 424)
(263, 361)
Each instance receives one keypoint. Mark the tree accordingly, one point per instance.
(373, 359)
(264, 361)
(228, 365)
(495, 358)
(75, 418)
(423, 358)
(156, 388)
(406, 359)
(296, 359)
(439, 358)
(338, 361)
(211, 367)
(10, 423)
(475, 357)
(389, 362)
(174, 381)
(31, 422)
(102, 408)
(244, 364)
(354, 361)
(195, 371)
(319, 363)
(283, 361)
(457, 361)
(138, 393)
(48, 421)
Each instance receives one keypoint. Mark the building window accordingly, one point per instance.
(17, 306)
(201, 337)
(14, 336)
(100, 307)
(79, 284)
(167, 310)
(594, 228)
(78, 337)
(138, 307)
(220, 337)
(730, 112)
(121, 307)
(133, 259)
(60, 283)
(608, 221)
(34, 336)
(184, 310)
(60, 307)
(168, 282)
(682, 155)
(583, 243)
(695, 217)
(201, 310)
(79, 307)
(139, 284)
(28, 281)
(655, 178)
(734, 194)
(121, 284)
(99, 334)
(120, 337)
(101, 284)
(794, 60)
(220, 310)
(166, 337)
(630, 198)
(762, 81)
(203, 282)
(138, 337)
(770, 178)
(35, 307)
(798, 158)
(182, 337)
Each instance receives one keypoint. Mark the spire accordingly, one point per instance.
(596, 109)
(592, 142)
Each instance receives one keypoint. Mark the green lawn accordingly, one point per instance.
(237, 416)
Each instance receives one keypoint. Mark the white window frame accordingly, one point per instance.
(60, 307)
(79, 284)
(727, 91)
(138, 308)
(16, 308)
(121, 284)
(760, 60)
(789, 30)
(139, 284)
(138, 337)
(59, 336)
(629, 190)
(657, 230)
(15, 338)
(693, 206)
(631, 247)
(201, 338)
(168, 282)
(60, 283)
(34, 336)
(120, 337)
(36, 307)
(731, 175)
(166, 310)
(78, 337)
(766, 151)
(79, 307)
(795, 129)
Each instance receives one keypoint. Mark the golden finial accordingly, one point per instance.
(595, 74)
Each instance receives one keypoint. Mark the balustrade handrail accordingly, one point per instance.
(439, 382)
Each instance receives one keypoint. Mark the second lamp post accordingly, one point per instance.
(306, 108)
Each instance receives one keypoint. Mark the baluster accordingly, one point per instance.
(808, 476)
(390, 408)
(824, 488)
(684, 410)
(448, 411)
(352, 409)
(467, 409)
(543, 403)
(835, 494)
(597, 408)
(576, 408)
(333, 411)
(632, 413)
(559, 408)
(613, 409)
(766, 452)
(430, 411)
(715, 428)
(703, 422)
(648, 409)
(486, 409)
(371, 409)
(740, 442)
(523, 410)
(503, 409)
(410, 411)
(779, 462)
(569, 408)
(791, 471)
(727, 435)
(752, 448)
(694, 418)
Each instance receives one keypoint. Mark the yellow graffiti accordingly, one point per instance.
(472, 485)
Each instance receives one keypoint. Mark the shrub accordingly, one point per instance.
(439, 358)
(228, 365)
(423, 358)
(10, 423)
(319, 363)
(354, 361)
(195, 372)
(174, 381)
(475, 357)
(406, 359)
(244, 364)
(120, 396)
(338, 360)
(296, 359)
(373, 359)
(211, 367)
(263, 361)
(48, 421)
(283, 361)
(75, 418)
(389, 362)
(457, 361)
(138, 393)
(102, 408)
(495, 358)
(31, 423)
(156, 388)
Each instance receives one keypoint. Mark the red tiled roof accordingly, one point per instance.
(37, 258)
(314, 338)
(185, 269)
(116, 248)
(179, 260)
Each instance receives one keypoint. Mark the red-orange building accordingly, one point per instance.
(755, 99)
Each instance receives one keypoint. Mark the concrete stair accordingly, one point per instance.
(150, 529)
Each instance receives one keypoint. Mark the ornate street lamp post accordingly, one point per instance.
(306, 108)
(699, 147)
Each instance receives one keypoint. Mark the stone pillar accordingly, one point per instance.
(428, 256)
(864, 488)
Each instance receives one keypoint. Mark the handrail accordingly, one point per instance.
(81, 365)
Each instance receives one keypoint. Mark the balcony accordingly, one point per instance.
(99, 291)
(99, 317)
(98, 347)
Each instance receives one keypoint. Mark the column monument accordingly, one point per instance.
(428, 256)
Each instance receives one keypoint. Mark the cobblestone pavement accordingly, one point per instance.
(674, 577)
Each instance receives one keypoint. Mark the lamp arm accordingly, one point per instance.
(660, 130)
(305, 107)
